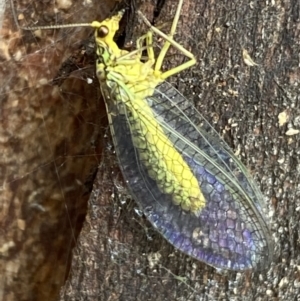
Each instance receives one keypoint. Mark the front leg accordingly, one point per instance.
(168, 42)
(148, 40)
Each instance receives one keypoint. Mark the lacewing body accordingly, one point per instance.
(187, 181)
(185, 178)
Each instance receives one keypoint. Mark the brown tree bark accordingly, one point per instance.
(118, 255)
(50, 146)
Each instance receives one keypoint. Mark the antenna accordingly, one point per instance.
(72, 25)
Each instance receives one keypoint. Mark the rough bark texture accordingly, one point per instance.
(54, 136)
(50, 146)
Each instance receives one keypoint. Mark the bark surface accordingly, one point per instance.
(68, 223)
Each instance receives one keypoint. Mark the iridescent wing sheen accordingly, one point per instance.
(230, 232)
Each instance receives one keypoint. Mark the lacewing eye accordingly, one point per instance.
(102, 31)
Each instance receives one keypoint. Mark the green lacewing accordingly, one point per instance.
(185, 178)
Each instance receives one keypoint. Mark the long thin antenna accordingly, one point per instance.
(56, 26)
(44, 27)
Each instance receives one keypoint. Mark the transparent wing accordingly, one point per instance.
(230, 232)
